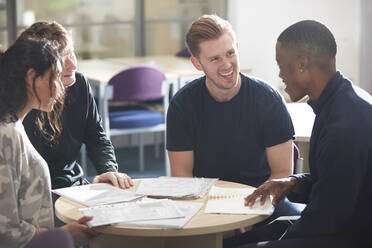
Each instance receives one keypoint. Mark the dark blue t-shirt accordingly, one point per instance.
(229, 139)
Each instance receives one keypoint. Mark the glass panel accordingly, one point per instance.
(74, 11)
(3, 40)
(93, 40)
(3, 30)
(170, 9)
(2, 14)
(104, 41)
(172, 32)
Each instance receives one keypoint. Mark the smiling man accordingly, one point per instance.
(226, 124)
(337, 190)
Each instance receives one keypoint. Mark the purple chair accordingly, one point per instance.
(184, 53)
(136, 84)
(56, 238)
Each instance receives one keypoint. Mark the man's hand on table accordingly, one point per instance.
(278, 188)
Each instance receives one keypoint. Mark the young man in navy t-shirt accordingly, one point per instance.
(226, 124)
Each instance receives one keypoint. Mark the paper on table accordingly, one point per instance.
(176, 187)
(96, 194)
(231, 201)
(189, 209)
(132, 211)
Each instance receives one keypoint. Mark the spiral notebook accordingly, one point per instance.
(231, 201)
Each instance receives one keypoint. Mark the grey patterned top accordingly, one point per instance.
(25, 198)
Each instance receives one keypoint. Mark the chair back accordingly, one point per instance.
(137, 83)
(184, 53)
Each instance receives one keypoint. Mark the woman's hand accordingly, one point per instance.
(80, 231)
(120, 180)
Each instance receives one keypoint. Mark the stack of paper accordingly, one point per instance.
(110, 205)
(176, 187)
(132, 211)
(231, 201)
(189, 209)
(96, 194)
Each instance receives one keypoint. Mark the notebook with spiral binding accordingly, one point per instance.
(231, 201)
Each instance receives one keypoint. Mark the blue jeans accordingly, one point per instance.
(283, 208)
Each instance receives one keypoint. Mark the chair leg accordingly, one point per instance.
(166, 159)
(141, 153)
(156, 146)
(130, 140)
(299, 167)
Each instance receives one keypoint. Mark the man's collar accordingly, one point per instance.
(326, 94)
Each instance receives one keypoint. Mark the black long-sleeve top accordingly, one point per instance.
(338, 189)
(81, 124)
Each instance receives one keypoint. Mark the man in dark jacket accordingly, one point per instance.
(338, 188)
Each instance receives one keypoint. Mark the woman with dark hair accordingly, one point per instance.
(30, 74)
(80, 120)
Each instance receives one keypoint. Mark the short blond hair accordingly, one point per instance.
(206, 27)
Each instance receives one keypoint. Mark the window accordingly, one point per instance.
(116, 28)
(100, 28)
(168, 20)
(3, 29)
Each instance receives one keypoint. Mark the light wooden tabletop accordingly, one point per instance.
(182, 67)
(303, 120)
(102, 70)
(200, 224)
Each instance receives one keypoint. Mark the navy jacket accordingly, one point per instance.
(338, 190)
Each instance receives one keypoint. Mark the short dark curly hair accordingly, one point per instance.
(310, 38)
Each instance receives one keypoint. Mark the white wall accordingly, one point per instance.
(258, 23)
(366, 46)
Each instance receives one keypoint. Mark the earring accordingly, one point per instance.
(301, 70)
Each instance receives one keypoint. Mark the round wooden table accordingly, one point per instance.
(203, 230)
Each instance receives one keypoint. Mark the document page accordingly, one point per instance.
(189, 209)
(96, 194)
(176, 187)
(132, 211)
(231, 201)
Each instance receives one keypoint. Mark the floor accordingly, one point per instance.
(128, 160)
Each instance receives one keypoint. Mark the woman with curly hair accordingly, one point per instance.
(30, 73)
